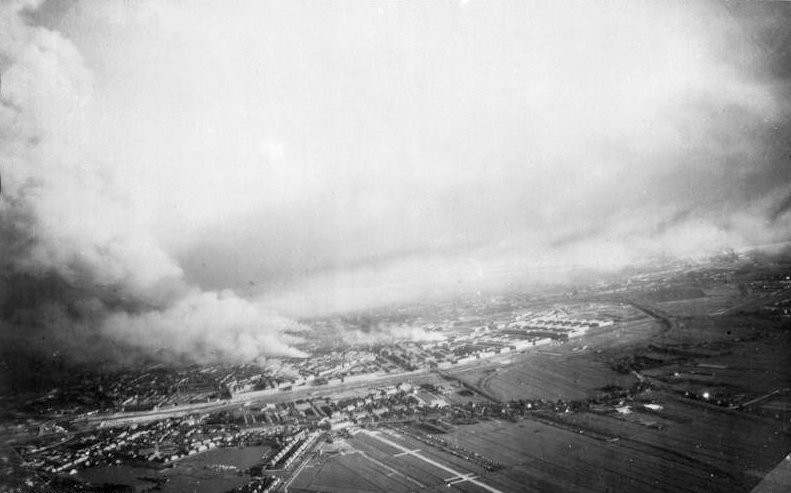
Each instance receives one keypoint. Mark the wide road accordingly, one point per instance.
(241, 399)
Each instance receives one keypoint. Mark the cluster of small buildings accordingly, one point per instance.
(457, 340)
(771, 284)
(290, 443)
(158, 442)
(484, 341)
(559, 324)
(169, 440)
(265, 484)
(294, 447)
(381, 402)
(105, 447)
(122, 390)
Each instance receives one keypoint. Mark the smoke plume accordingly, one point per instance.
(158, 157)
(82, 272)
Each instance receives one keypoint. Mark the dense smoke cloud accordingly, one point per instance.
(438, 148)
(388, 334)
(321, 157)
(82, 271)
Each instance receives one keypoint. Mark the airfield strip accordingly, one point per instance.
(416, 453)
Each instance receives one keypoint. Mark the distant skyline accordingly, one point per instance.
(178, 174)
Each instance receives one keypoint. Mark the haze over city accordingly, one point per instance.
(194, 177)
(395, 246)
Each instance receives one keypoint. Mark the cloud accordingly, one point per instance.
(83, 271)
(320, 159)
(389, 335)
(208, 326)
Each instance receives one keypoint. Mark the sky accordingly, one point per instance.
(192, 178)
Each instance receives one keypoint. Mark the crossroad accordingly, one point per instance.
(408, 452)
(460, 479)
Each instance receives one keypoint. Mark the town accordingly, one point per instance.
(603, 350)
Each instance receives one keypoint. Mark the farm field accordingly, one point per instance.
(351, 472)
(691, 434)
(725, 328)
(588, 452)
(708, 448)
(735, 357)
(384, 460)
(744, 370)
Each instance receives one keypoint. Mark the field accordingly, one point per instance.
(552, 377)
(718, 299)
(712, 412)
(196, 474)
(573, 370)
(351, 472)
(385, 460)
(734, 358)
(741, 371)
(707, 448)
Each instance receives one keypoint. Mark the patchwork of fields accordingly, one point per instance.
(385, 460)
(706, 448)
(657, 440)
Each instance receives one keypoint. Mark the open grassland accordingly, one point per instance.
(552, 377)
(717, 300)
(571, 370)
